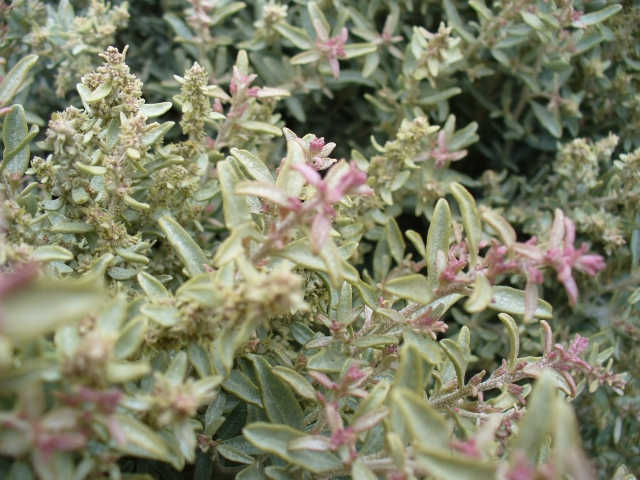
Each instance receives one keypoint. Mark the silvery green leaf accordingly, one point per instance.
(47, 253)
(359, 471)
(269, 92)
(534, 22)
(395, 240)
(154, 289)
(42, 306)
(155, 109)
(156, 132)
(512, 301)
(66, 339)
(113, 131)
(480, 7)
(253, 165)
(52, 205)
(130, 338)
(416, 239)
(100, 93)
(427, 347)
(298, 36)
(437, 239)
(164, 315)
(236, 209)
(345, 304)
(278, 473)
(333, 263)
(500, 56)
(373, 340)
(503, 228)
(279, 402)
(266, 191)
(242, 387)
(371, 63)
(200, 359)
(79, 196)
(223, 12)
(548, 120)
(233, 454)
(481, 296)
(112, 318)
(595, 18)
(142, 441)
(135, 204)
(458, 358)
(367, 294)
(444, 464)
(177, 369)
(303, 58)
(299, 252)
(541, 415)
(289, 179)
(373, 401)
(297, 382)
(132, 257)
(316, 14)
(122, 372)
(260, 127)
(358, 49)
(411, 287)
(72, 227)
(122, 274)
(438, 96)
(16, 139)
(91, 169)
(301, 333)
(456, 21)
(187, 249)
(232, 247)
(514, 338)
(275, 439)
(327, 360)
(15, 78)
(410, 373)
(470, 219)
(425, 425)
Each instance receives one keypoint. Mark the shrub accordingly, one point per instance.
(445, 288)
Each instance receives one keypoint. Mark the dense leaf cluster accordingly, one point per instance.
(194, 283)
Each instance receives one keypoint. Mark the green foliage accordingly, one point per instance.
(191, 287)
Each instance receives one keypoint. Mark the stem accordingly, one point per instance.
(490, 384)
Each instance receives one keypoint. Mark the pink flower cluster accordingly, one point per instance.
(527, 258)
(343, 179)
(332, 48)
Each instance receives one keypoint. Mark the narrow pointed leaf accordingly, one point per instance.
(254, 166)
(279, 402)
(470, 219)
(14, 79)
(437, 239)
(187, 249)
(512, 301)
(411, 287)
(514, 338)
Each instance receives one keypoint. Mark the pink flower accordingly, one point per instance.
(240, 83)
(563, 256)
(441, 153)
(343, 179)
(332, 48)
(316, 151)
